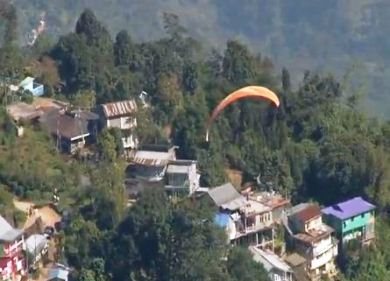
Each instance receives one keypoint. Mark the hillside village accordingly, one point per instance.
(292, 242)
(165, 160)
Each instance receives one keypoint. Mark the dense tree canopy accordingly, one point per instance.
(316, 146)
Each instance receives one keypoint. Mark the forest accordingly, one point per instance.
(347, 38)
(317, 146)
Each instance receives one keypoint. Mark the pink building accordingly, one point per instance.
(12, 263)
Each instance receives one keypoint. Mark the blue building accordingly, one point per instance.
(28, 84)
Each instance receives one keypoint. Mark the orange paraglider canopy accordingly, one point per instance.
(252, 92)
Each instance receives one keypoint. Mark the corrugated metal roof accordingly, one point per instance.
(177, 169)
(36, 243)
(64, 125)
(180, 166)
(152, 158)
(295, 259)
(7, 232)
(269, 260)
(120, 108)
(308, 213)
(58, 273)
(349, 208)
(227, 197)
(26, 81)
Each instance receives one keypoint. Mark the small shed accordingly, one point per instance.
(36, 247)
(58, 273)
(227, 197)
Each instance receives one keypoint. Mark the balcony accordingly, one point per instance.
(324, 258)
(324, 246)
(14, 248)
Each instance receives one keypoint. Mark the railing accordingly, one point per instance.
(323, 246)
(324, 259)
(14, 248)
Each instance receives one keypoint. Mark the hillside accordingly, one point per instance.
(316, 146)
(336, 36)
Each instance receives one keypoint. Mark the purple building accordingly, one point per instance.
(352, 219)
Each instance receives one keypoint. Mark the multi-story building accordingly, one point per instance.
(249, 219)
(121, 115)
(353, 219)
(150, 162)
(182, 177)
(310, 238)
(71, 129)
(12, 262)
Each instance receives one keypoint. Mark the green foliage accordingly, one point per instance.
(85, 99)
(162, 241)
(33, 173)
(107, 145)
(315, 146)
(241, 266)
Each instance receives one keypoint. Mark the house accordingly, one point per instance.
(36, 247)
(310, 238)
(150, 162)
(72, 130)
(121, 115)
(277, 269)
(21, 112)
(278, 204)
(182, 177)
(29, 84)
(226, 197)
(353, 219)
(246, 221)
(58, 273)
(12, 263)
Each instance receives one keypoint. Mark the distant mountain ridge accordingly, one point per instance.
(333, 35)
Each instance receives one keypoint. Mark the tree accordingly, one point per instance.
(85, 99)
(8, 13)
(190, 77)
(241, 266)
(237, 64)
(107, 146)
(162, 241)
(95, 271)
(86, 275)
(123, 49)
(94, 32)
(286, 83)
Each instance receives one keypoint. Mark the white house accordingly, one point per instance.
(28, 84)
(182, 177)
(312, 240)
(36, 247)
(150, 163)
(121, 115)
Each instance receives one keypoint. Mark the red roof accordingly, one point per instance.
(309, 213)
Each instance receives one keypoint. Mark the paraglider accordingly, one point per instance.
(249, 92)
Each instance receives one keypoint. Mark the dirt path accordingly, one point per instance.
(23, 206)
(48, 215)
